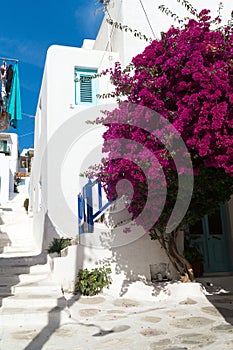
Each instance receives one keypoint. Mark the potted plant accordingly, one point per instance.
(194, 256)
(58, 244)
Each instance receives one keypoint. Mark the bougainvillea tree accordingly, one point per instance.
(186, 77)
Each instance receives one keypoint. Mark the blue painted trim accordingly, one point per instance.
(100, 195)
(88, 72)
(81, 213)
(86, 213)
(102, 209)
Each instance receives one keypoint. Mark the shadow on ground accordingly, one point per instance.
(11, 268)
(4, 240)
(220, 295)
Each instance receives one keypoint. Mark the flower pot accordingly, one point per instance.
(198, 268)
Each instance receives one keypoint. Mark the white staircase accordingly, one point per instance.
(27, 293)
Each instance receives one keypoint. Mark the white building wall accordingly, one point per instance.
(61, 62)
(132, 14)
(4, 178)
(230, 223)
(56, 107)
(13, 158)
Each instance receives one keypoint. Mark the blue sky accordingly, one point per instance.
(28, 28)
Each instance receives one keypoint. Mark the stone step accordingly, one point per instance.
(14, 317)
(32, 301)
(12, 280)
(4, 235)
(18, 243)
(24, 269)
(43, 287)
(5, 290)
(8, 281)
(12, 252)
(4, 295)
(26, 260)
(4, 243)
(32, 288)
(18, 236)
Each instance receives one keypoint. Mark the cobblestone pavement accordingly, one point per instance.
(103, 322)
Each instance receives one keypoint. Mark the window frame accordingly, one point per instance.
(3, 146)
(78, 72)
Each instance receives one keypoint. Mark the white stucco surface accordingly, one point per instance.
(8, 165)
(65, 146)
(4, 179)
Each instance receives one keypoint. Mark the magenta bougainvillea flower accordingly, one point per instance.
(186, 77)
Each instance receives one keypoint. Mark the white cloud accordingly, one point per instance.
(25, 51)
(87, 16)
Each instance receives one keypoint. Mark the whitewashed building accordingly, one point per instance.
(64, 144)
(9, 159)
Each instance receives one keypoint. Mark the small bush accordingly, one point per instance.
(26, 204)
(92, 282)
(58, 244)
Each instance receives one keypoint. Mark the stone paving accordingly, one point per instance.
(103, 322)
(38, 316)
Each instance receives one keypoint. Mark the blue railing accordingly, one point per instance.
(86, 213)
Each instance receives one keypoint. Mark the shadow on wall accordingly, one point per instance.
(49, 232)
(130, 262)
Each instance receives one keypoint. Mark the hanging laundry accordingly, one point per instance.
(4, 121)
(3, 84)
(9, 77)
(14, 102)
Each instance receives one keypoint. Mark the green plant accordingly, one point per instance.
(191, 252)
(92, 282)
(26, 204)
(194, 256)
(58, 244)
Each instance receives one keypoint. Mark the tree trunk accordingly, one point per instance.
(182, 265)
(188, 275)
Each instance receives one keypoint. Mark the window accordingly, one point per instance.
(85, 87)
(3, 146)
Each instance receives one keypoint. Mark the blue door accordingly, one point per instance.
(210, 235)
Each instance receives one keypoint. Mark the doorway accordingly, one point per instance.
(211, 236)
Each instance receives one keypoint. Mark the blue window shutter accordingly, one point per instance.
(3, 146)
(85, 87)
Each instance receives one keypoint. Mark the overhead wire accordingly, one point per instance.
(29, 115)
(147, 18)
(108, 45)
(9, 59)
(29, 133)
